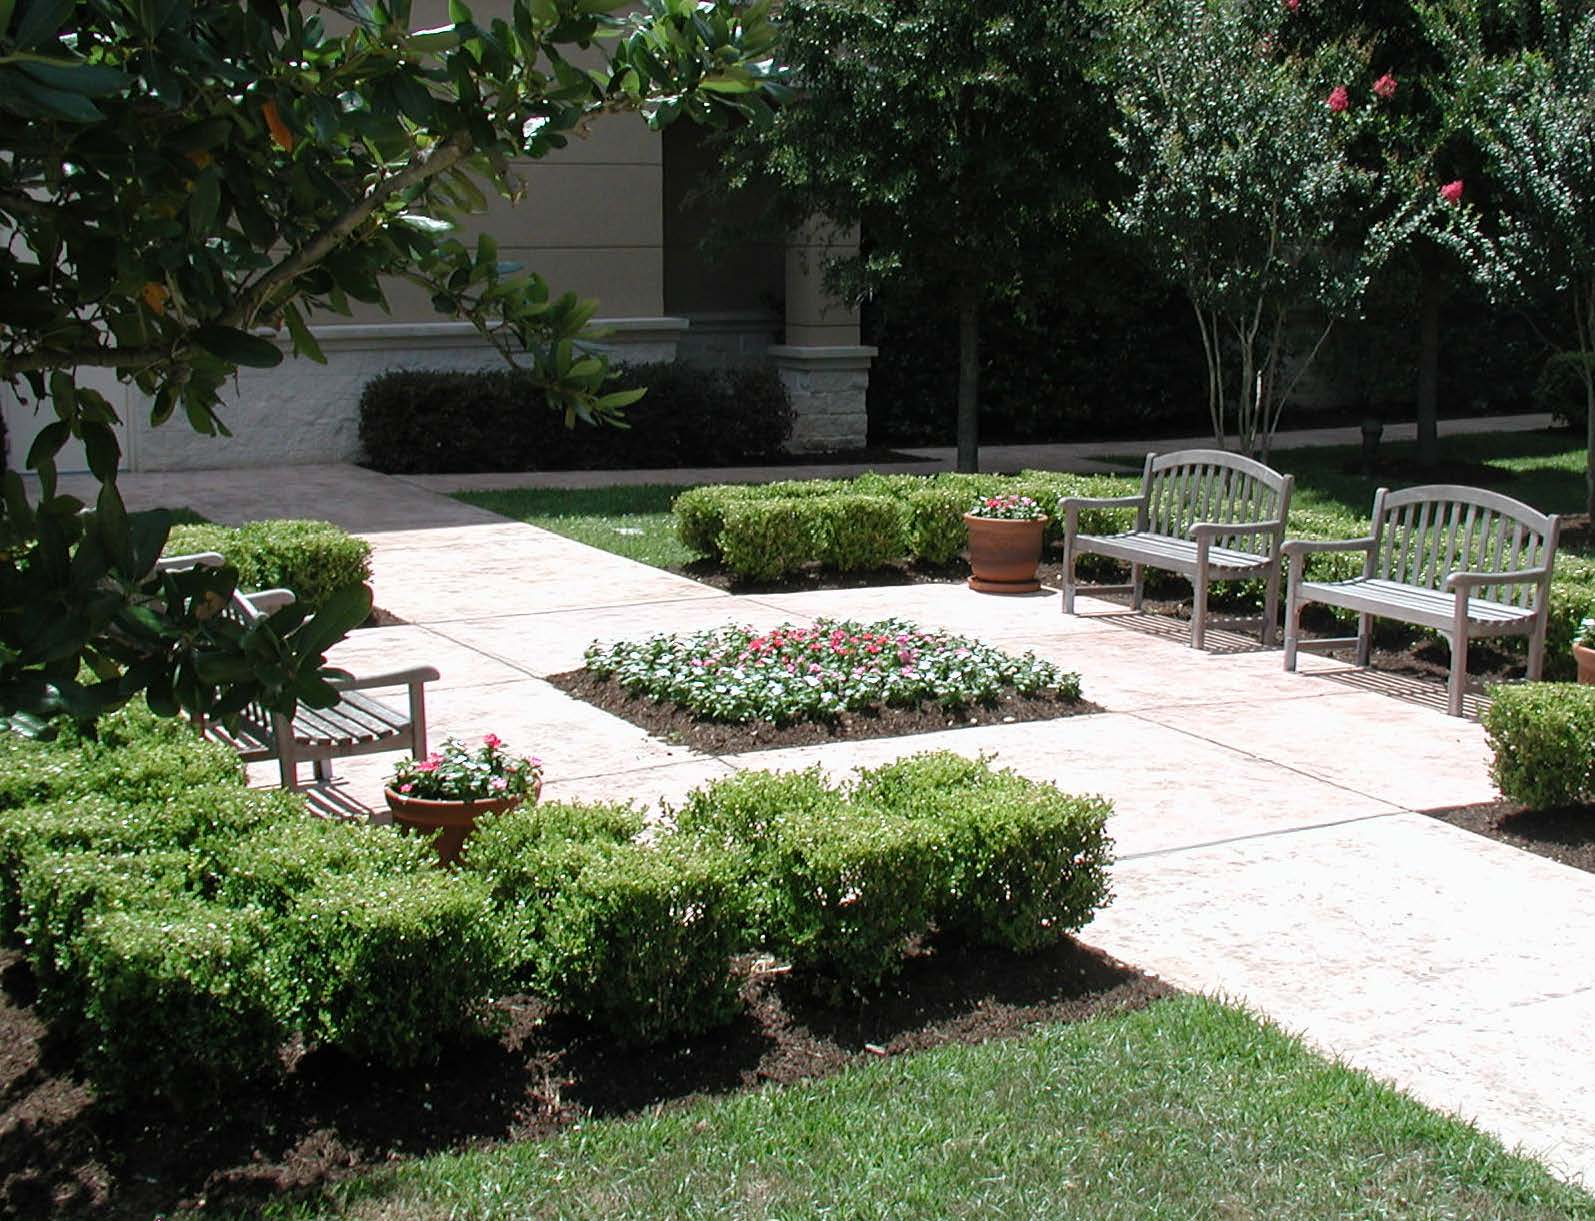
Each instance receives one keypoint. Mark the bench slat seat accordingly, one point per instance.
(357, 724)
(1204, 514)
(1462, 562)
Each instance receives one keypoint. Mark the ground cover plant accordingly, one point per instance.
(735, 688)
(1186, 1108)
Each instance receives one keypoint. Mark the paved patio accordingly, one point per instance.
(1269, 845)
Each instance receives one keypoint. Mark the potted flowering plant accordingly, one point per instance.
(1005, 535)
(448, 790)
(1584, 650)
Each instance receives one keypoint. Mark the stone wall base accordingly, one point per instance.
(827, 386)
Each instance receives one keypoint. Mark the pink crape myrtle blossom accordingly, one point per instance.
(1452, 192)
(1338, 99)
(1385, 87)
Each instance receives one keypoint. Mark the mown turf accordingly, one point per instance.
(631, 521)
(1186, 1109)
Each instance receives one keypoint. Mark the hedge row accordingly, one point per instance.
(185, 928)
(835, 880)
(441, 422)
(312, 558)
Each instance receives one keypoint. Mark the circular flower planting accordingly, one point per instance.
(850, 678)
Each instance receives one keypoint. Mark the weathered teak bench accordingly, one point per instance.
(1203, 513)
(356, 725)
(1463, 561)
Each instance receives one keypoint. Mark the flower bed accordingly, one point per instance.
(815, 673)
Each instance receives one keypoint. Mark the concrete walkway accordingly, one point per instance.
(1269, 848)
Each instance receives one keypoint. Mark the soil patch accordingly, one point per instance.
(64, 1155)
(1565, 834)
(675, 724)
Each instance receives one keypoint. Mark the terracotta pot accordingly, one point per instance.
(450, 821)
(1585, 659)
(1003, 554)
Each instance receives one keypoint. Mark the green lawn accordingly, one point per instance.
(631, 521)
(1188, 1109)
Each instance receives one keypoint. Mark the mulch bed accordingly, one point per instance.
(63, 1155)
(1565, 834)
(671, 723)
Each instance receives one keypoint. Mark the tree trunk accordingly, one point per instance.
(1589, 435)
(969, 382)
(1429, 370)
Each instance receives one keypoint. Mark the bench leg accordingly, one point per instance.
(1364, 639)
(1271, 606)
(1293, 612)
(1459, 673)
(1137, 585)
(323, 769)
(1068, 574)
(1199, 614)
(1537, 653)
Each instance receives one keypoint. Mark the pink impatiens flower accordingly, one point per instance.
(1293, 5)
(1385, 87)
(1452, 192)
(427, 765)
(1338, 99)
(492, 739)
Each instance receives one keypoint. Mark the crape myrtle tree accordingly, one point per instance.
(1235, 143)
(1526, 72)
(1404, 125)
(960, 136)
(177, 175)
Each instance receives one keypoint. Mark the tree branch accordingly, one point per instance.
(454, 149)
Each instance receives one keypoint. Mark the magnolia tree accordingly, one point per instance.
(1529, 71)
(1242, 191)
(961, 136)
(178, 175)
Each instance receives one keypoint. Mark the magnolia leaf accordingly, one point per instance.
(237, 347)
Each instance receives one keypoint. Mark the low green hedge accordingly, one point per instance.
(1543, 739)
(444, 422)
(313, 558)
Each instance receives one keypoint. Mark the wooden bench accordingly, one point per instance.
(1465, 562)
(1203, 513)
(356, 725)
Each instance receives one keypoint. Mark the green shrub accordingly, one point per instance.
(434, 421)
(639, 939)
(1543, 739)
(60, 891)
(763, 540)
(857, 533)
(182, 998)
(830, 888)
(935, 531)
(1560, 390)
(386, 966)
(636, 938)
(312, 558)
(1027, 863)
(274, 865)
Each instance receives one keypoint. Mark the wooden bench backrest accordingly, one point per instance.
(241, 609)
(1422, 535)
(1196, 485)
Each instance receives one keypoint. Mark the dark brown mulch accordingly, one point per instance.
(674, 724)
(63, 1155)
(1565, 834)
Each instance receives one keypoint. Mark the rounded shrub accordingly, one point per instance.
(1543, 739)
(312, 558)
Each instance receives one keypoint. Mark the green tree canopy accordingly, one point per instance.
(961, 136)
(177, 175)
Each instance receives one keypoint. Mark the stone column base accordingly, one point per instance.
(827, 386)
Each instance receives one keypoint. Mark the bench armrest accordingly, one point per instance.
(390, 678)
(199, 559)
(265, 601)
(1213, 529)
(1310, 546)
(1101, 502)
(1518, 576)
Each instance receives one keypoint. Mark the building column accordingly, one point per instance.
(822, 364)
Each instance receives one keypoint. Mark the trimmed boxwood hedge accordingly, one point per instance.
(312, 558)
(1543, 737)
(446, 422)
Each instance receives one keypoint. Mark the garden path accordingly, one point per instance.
(1270, 848)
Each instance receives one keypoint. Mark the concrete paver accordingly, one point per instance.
(1267, 848)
